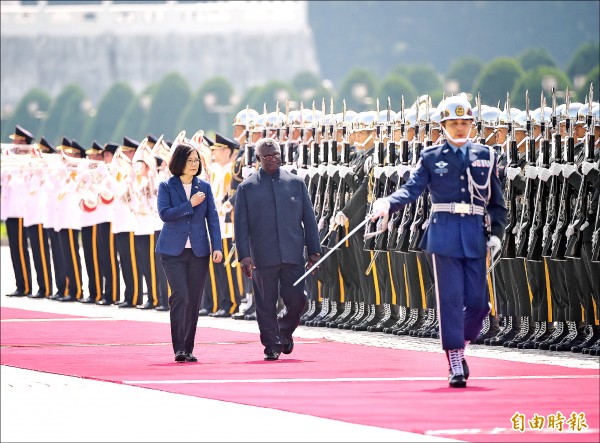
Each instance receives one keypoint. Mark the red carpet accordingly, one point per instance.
(321, 378)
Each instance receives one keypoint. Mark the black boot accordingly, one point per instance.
(509, 332)
(589, 341)
(314, 307)
(344, 315)
(356, 318)
(373, 312)
(491, 328)
(388, 319)
(325, 307)
(525, 331)
(539, 332)
(335, 310)
(456, 376)
(416, 318)
(575, 337)
(429, 320)
(560, 331)
(402, 316)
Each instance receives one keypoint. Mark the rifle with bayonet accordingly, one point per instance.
(375, 182)
(534, 249)
(559, 237)
(555, 183)
(389, 184)
(421, 209)
(581, 215)
(403, 235)
(509, 241)
(522, 240)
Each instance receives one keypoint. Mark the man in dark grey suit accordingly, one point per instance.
(274, 221)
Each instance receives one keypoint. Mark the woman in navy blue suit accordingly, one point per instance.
(187, 207)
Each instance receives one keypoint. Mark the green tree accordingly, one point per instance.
(272, 93)
(200, 113)
(592, 77)
(425, 79)
(74, 118)
(534, 82)
(358, 88)
(172, 95)
(66, 105)
(464, 71)
(111, 111)
(496, 79)
(28, 113)
(532, 58)
(132, 123)
(584, 60)
(396, 87)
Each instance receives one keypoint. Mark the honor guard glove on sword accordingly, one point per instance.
(494, 244)
(511, 172)
(380, 208)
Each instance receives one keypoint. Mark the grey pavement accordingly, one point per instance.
(37, 406)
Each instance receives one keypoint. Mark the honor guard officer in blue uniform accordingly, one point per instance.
(468, 216)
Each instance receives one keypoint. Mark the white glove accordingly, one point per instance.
(331, 170)
(226, 207)
(511, 172)
(343, 170)
(380, 208)
(568, 170)
(494, 244)
(544, 174)
(341, 219)
(531, 172)
(588, 166)
(102, 169)
(555, 169)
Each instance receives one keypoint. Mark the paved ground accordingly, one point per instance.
(46, 407)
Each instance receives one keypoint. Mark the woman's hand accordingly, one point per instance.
(217, 256)
(197, 198)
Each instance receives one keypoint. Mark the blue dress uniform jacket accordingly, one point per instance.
(440, 168)
(181, 220)
(274, 220)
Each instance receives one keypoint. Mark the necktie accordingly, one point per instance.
(461, 156)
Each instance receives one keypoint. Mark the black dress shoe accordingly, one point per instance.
(189, 357)
(87, 300)
(271, 355)
(125, 304)
(147, 305)
(67, 298)
(288, 346)
(203, 312)
(457, 381)
(17, 294)
(103, 302)
(36, 295)
(221, 313)
(161, 308)
(180, 356)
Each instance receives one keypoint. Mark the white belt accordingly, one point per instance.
(458, 208)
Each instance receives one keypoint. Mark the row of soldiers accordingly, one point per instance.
(54, 197)
(543, 294)
(544, 288)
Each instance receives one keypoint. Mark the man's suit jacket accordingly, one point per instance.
(181, 220)
(274, 219)
(440, 169)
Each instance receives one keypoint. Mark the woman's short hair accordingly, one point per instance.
(179, 158)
